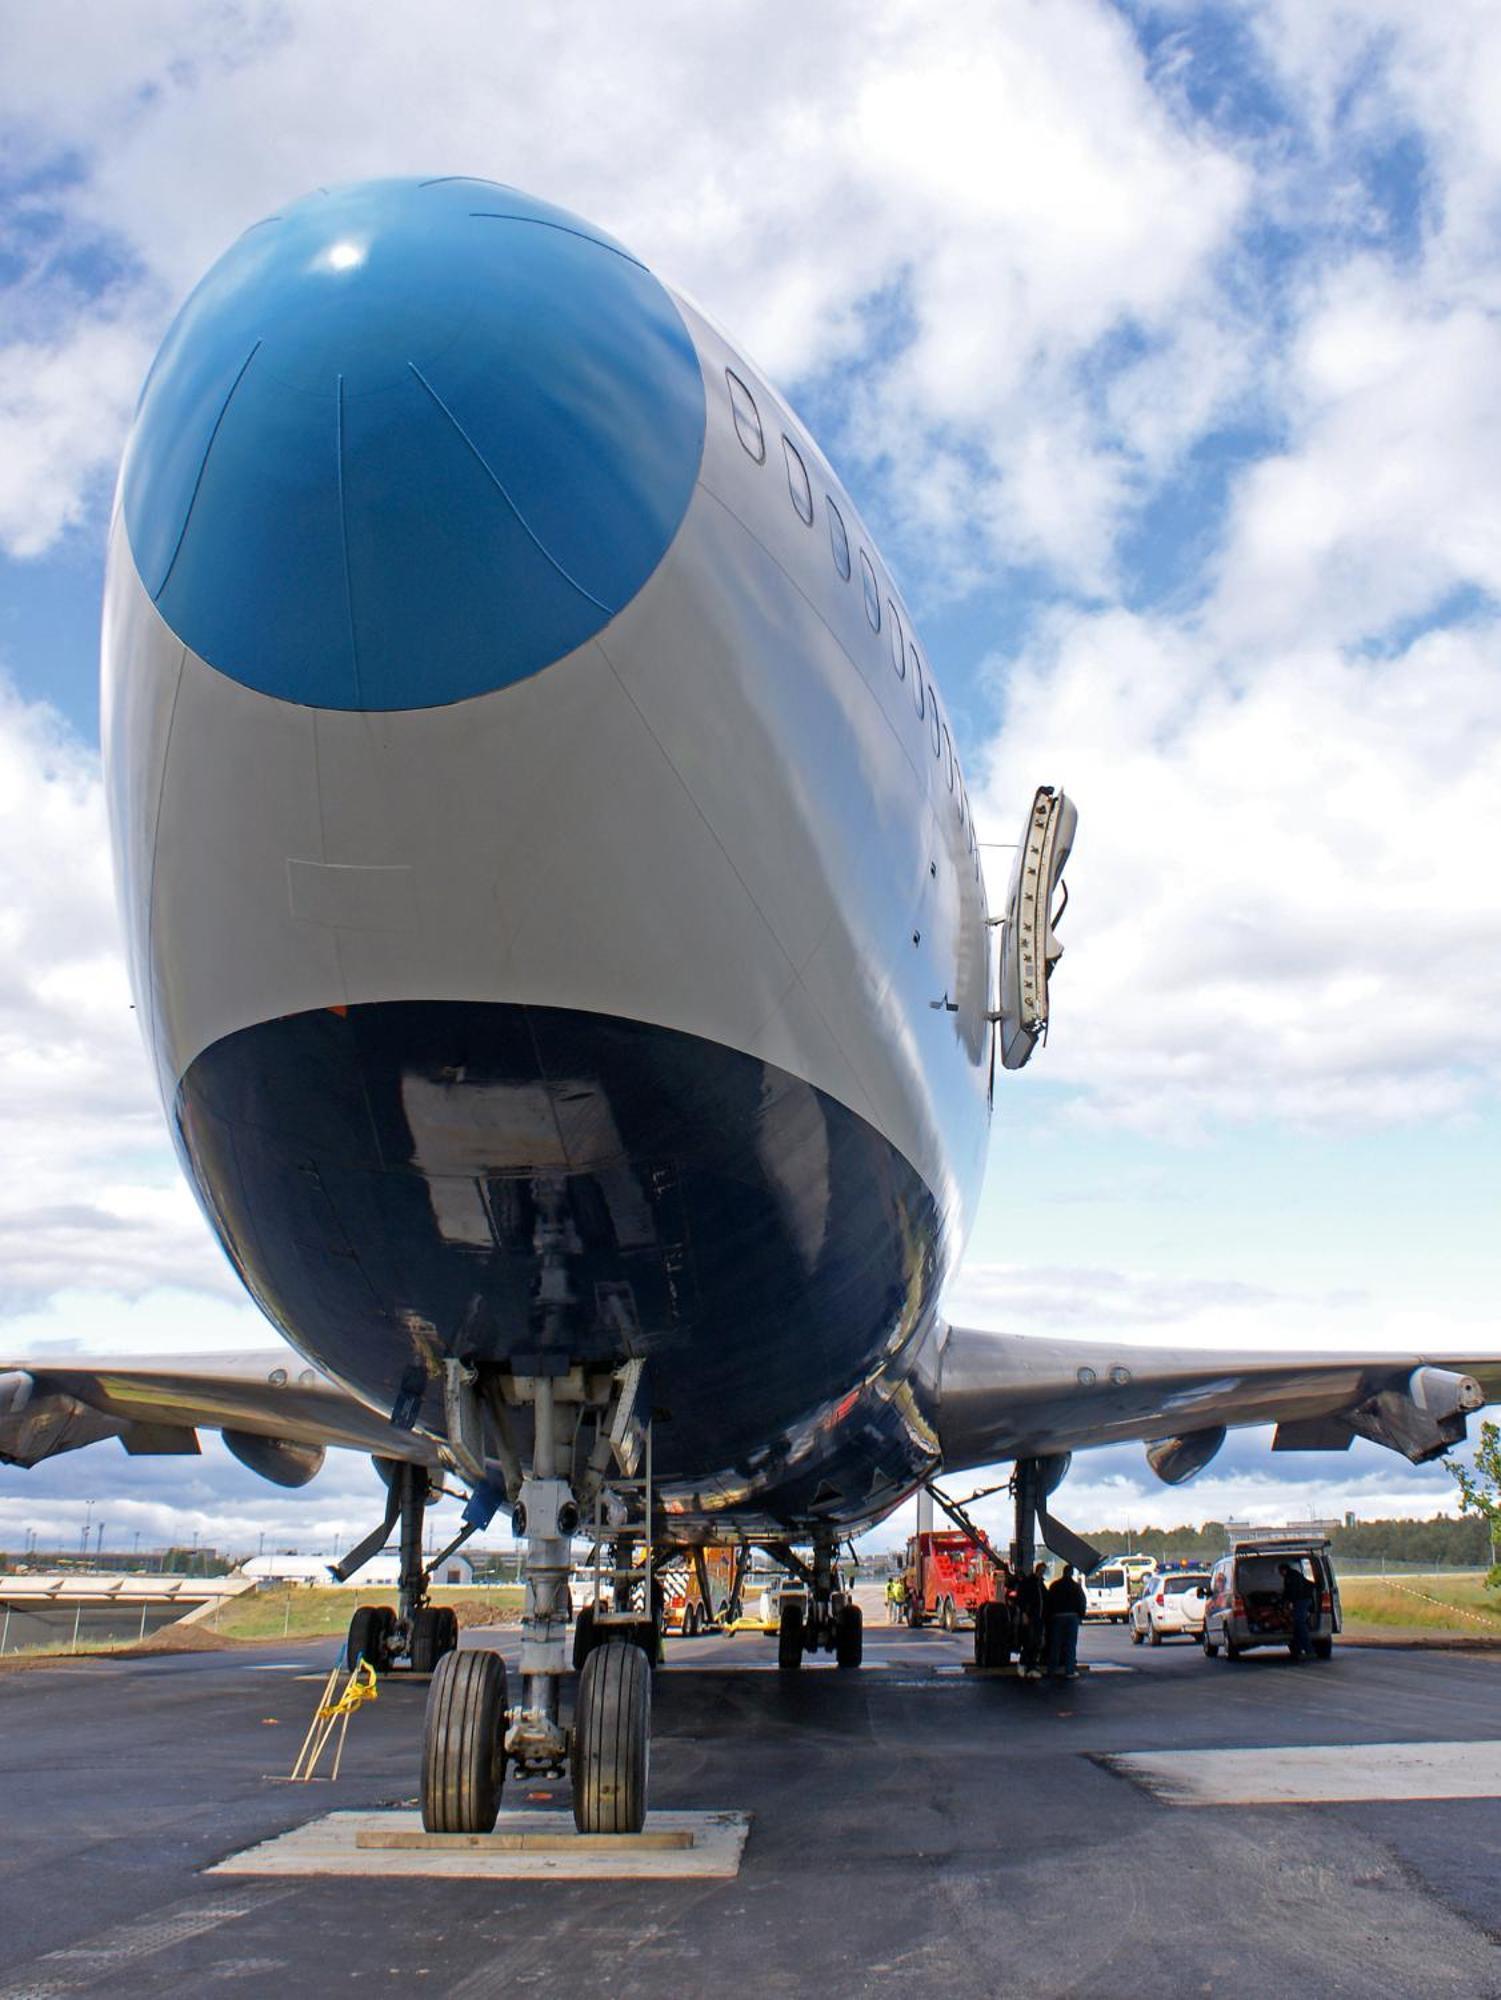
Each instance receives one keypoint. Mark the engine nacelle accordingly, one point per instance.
(1175, 1459)
(277, 1459)
(1423, 1418)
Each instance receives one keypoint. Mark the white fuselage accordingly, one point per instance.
(727, 815)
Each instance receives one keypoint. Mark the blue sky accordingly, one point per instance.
(1159, 345)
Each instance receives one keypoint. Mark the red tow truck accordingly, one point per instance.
(949, 1575)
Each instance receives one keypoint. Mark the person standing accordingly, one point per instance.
(1065, 1603)
(1297, 1594)
(1029, 1606)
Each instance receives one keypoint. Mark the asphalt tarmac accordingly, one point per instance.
(915, 1831)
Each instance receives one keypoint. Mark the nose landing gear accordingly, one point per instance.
(471, 1735)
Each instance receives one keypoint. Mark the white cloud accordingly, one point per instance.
(64, 407)
(1012, 178)
(1386, 499)
(167, 1502)
(90, 1195)
(1284, 893)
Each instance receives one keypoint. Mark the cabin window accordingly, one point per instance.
(839, 541)
(872, 595)
(933, 723)
(747, 417)
(898, 650)
(919, 699)
(797, 481)
(948, 763)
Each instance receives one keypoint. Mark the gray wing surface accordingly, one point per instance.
(277, 1414)
(1006, 1396)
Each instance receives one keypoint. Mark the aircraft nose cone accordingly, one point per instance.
(410, 442)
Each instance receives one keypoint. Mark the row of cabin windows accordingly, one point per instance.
(903, 652)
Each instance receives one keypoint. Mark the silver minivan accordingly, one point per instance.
(1248, 1604)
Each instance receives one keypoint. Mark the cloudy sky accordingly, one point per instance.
(1159, 344)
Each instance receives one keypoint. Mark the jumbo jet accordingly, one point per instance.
(556, 918)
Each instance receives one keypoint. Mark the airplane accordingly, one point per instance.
(558, 926)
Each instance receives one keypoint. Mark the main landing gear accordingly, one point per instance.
(820, 1617)
(475, 1732)
(416, 1635)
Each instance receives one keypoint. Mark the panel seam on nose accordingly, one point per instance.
(495, 480)
(354, 637)
(182, 533)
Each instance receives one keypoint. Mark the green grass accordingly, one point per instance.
(290, 1612)
(295, 1612)
(1459, 1604)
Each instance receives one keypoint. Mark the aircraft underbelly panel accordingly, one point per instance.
(415, 1179)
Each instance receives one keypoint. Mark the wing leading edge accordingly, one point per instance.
(1007, 1396)
(277, 1415)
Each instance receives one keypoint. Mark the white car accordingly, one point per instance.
(1107, 1594)
(1170, 1607)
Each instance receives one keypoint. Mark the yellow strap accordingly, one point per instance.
(361, 1686)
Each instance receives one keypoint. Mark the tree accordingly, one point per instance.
(1480, 1488)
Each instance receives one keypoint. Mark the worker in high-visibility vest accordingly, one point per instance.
(896, 1599)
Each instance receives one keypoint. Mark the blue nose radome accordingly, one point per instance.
(410, 442)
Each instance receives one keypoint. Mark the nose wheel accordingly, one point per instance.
(464, 1743)
(611, 1752)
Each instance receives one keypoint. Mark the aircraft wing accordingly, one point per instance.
(276, 1413)
(1006, 1396)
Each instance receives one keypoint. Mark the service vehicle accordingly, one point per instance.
(1137, 1568)
(1107, 1594)
(760, 1609)
(1248, 1604)
(949, 1576)
(1171, 1606)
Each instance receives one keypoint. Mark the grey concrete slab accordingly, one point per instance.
(532, 1845)
(915, 1830)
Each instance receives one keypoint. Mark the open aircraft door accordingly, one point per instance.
(1029, 942)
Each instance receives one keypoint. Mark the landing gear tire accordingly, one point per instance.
(611, 1752)
(369, 1638)
(463, 1746)
(790, 1637)
(985, 1635)
(583, 1637)
(435, 1631)
(849, 1636)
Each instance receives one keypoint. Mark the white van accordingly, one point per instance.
(1107, 1594)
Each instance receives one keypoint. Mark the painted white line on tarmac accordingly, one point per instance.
(1317, 1774)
